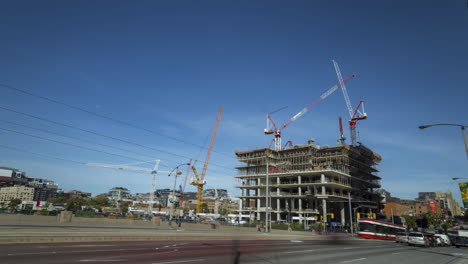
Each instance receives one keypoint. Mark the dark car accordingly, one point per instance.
(461, 241)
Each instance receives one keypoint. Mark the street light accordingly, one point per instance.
(463, 132)
(458, 178)
(177, 173)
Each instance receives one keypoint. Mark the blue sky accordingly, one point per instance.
(168, 66)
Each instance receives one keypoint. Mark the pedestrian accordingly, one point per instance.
(289, 227)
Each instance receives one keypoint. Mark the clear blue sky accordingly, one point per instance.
(169, 65)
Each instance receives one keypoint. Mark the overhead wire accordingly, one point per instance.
(99, 134)
(41, 154)
(75, 138)
(103, 116)
(68, 144)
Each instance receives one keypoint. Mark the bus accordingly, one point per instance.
(374, 229)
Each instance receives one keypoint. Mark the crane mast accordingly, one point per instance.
(199, 180)
(355, 114)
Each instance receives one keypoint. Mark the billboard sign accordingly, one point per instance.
(464, 193)
(433, 205)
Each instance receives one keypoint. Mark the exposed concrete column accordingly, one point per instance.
(342, 213)
(278, 204)
(324, 192)
(322, 178)
(324, 208)
(299, 179)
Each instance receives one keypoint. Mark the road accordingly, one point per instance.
(227, 252)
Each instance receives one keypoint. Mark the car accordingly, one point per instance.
(401, 237)
(417, 239)
(444, 240)
(461, 242)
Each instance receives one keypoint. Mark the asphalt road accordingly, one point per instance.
(227, 252)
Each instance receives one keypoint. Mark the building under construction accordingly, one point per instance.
(308, 182)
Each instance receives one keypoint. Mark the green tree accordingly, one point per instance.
(99, 202)
(410, 220)
(124, 209)
(13, 204)
(75, 203)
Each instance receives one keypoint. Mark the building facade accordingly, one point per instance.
(23, 193)
(308, 182)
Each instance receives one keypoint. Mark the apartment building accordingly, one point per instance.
(23, 193)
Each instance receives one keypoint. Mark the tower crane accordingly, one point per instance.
(199, 180)
(354, 115)
(271, 126)
(153, 172)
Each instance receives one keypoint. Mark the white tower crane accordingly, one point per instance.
(153, 172)
(354, 115)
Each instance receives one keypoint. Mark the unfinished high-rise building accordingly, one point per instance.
(308, 182)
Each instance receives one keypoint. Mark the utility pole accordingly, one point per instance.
(267, 195)
(391, 210)
(350, 214)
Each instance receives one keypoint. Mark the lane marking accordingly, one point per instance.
(297, 241)
(348, 261)
(180, 261)
(299, 251)
(100, 260)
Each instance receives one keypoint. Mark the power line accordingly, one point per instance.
(103, 116)
(99, 134)
(91, 132)
(44, 155)
(68, 144)
(76, 138)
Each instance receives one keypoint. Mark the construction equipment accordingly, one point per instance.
(354, 115)
(199, 180)
(277, 131)
(182, 189)
(342, 138)
(153, 172)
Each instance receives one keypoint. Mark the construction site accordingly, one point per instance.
(312, 183)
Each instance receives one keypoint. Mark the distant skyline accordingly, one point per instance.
(167, 66)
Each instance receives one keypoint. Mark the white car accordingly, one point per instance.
(417, 239)
(444, 240)
(401, 237)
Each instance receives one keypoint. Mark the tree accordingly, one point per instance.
(410, 220)
(13, 204)
(75, 203)
(99, 202)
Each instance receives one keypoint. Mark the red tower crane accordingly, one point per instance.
(354, 115)
(271, 126)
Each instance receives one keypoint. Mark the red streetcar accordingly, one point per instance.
(374, 229)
